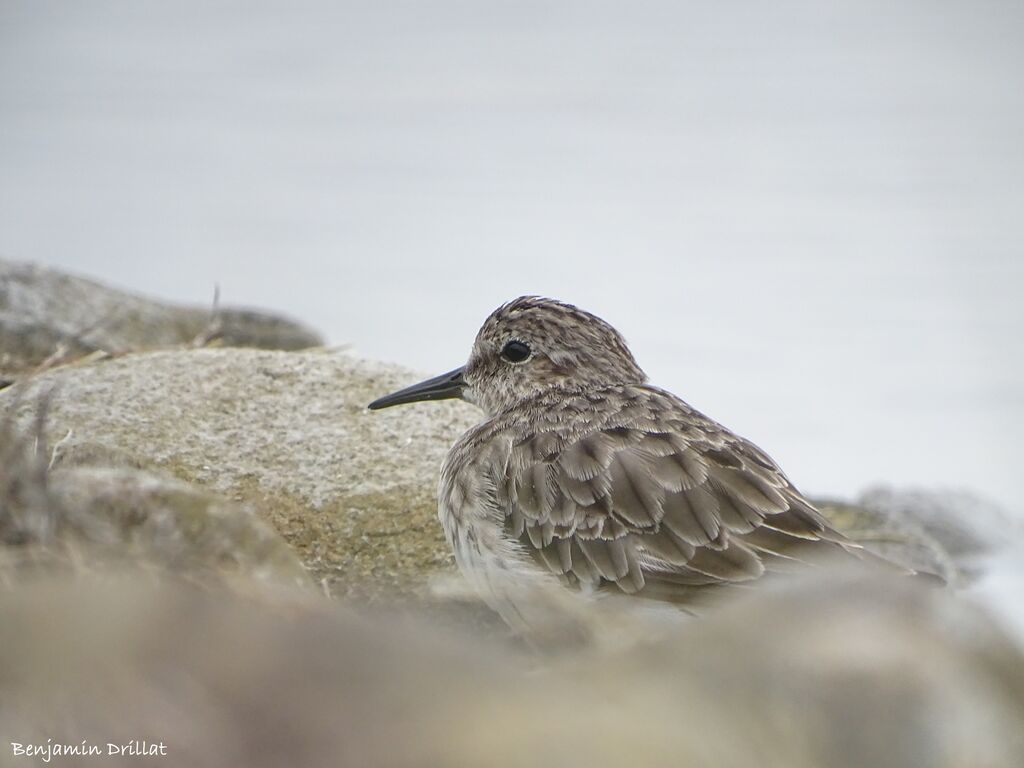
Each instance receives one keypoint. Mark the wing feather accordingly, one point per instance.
(597, 554)
(693, 515)
(636, 499)
(656, 496)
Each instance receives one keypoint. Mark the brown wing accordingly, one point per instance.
(658, 506)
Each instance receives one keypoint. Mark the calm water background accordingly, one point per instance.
(806, 217)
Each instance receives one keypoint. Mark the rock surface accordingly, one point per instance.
(176, 526)
(46, 314)
(969, 528)
(895, 538)
(96, 519)
(287, 433)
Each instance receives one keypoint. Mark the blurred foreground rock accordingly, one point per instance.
(839, 674)
(46, 315)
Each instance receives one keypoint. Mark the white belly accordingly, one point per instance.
(529, 598)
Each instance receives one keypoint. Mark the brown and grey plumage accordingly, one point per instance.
(585, 473)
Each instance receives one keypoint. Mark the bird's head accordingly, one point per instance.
(526, 347)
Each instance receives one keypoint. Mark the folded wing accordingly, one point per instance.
(658, 506)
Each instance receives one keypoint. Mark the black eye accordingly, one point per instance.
(515, 351)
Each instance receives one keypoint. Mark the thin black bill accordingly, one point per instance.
(444, 387)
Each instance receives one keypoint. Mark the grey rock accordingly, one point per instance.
(966, 526)
(895, 538)
(287, 433)
(177, 526)
(97, 519)
(46, 315)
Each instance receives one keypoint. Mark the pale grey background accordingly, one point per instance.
(805, 216)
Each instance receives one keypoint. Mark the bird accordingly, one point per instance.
(585, 477)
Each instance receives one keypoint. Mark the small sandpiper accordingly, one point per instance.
(583, 473)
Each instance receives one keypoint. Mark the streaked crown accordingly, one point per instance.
(532, 344)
